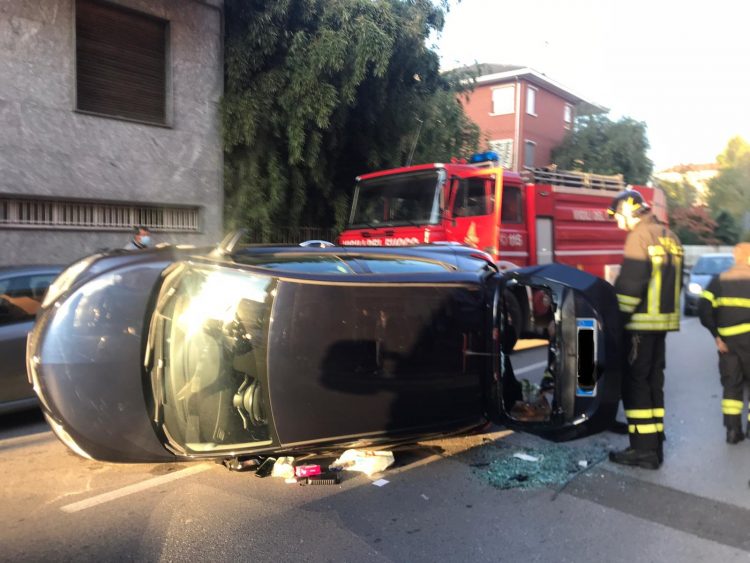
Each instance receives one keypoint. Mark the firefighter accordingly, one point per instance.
(648, 295)
(724, 309)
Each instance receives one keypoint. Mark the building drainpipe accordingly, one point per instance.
(517, 132)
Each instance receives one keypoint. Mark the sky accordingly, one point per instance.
(681, 67)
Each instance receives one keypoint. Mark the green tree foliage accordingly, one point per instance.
(727, 230)
(678, 194)
(599, 145)
(730, 190)
(318, 91)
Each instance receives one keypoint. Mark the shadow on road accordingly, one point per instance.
(22, 424)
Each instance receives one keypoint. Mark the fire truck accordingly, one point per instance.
(537, 217)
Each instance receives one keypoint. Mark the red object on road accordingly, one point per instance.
(307, 470)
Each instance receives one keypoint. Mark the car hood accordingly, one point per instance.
(86, 361)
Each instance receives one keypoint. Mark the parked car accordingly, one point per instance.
(155, 356)
(22, 289)
(706, 267)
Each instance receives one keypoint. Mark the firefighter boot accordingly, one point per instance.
(734, 435)
(646, 459)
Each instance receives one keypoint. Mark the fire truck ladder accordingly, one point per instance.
(572, 179)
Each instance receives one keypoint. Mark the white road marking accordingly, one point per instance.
(135, 488)
(532, 367)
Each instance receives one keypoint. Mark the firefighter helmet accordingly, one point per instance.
(630, 200)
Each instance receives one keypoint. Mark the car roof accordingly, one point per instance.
(453, 258)
(424, 251)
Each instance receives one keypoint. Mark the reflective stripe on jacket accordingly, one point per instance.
(724, 307)
(649, 284)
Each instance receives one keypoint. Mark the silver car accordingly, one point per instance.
(22, 289)
(707, 266)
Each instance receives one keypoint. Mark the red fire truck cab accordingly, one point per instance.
(541, 217)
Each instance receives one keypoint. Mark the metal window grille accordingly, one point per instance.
(98, 216)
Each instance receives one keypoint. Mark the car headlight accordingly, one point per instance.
(66, 279)
(695, 288)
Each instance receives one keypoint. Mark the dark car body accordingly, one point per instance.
(706, 267)
(157, 357)
(22, 289)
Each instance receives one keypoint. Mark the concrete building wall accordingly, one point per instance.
(49, 150)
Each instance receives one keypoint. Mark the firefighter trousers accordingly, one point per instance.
(734, 366)
(643, 389)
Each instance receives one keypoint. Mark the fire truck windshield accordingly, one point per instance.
(401, 199)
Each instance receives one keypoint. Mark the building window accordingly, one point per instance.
(568, 116)
(504, 150)
(529, 148)
(503, 100)
(121, 62)
(96, 216)
(530, 100)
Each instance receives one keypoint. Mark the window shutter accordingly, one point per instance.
(121, 62)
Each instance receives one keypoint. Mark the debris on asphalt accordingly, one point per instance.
(236, 464)
(366, 461)
(525, 457)
(265, 468)
(307, 470)
(327, 478)
(556, 465)
(381, 482)
(284, 468)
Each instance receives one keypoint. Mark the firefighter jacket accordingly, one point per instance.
(649, 284)
(724, 307)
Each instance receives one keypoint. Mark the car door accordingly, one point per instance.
(20, 298)
(575, 389)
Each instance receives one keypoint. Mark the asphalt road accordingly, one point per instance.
(436, 505)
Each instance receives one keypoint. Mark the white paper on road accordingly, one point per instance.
(380, 482)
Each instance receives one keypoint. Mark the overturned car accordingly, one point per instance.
(169, 354)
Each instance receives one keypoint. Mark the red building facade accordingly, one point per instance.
(523, 114)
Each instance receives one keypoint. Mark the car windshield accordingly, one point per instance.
(210, 341)
(397, 200)
(711, 265)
